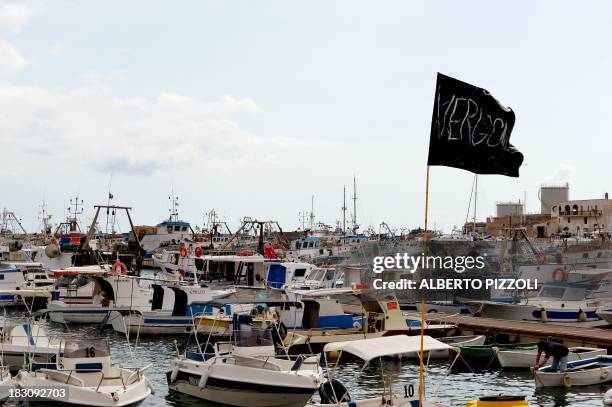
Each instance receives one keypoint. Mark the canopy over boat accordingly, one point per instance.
(27, 293)
(368, 349)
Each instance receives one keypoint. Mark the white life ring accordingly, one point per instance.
(357, 325)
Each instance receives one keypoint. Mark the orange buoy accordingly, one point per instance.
(183, 252)
(559, 275)
(119, 267)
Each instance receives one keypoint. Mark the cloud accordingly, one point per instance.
(10, 59)
(565, 174)
(13, 17)
(55, 49)
(90, 128)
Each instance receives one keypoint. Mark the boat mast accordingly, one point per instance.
(344, 213)
(173, 206)
(355, 227)
(312, 213)
(73, 212)
(45, 218)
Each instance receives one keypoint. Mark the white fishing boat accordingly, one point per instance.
(170, 230)
(91, 294)
(15, 276)
(525, 358)
(555, 303)
(382, 317)
(88, 294)
(584, 372)
(246, 373)
(83, 375)
(334, 393)
(219, 318)
(171, 311)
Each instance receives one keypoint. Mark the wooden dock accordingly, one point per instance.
(506, 331)
(527, 331)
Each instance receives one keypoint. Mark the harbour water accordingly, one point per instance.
(452, 389)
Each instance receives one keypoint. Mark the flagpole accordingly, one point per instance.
(425, 252)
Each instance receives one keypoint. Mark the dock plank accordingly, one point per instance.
(582, 334)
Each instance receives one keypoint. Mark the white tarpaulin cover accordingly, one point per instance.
(368, 349)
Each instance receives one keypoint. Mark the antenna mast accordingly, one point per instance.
(344, 212)
(173, 206)
(75, 209)
(355, 226)
(312, 216)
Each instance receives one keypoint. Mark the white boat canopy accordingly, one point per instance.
(368, 349)
(27, 293)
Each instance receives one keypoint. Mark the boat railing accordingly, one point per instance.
(138, 372)
(65, 372)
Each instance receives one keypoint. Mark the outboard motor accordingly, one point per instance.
(278, 332)
(333, 392)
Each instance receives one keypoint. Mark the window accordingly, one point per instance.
(169, 229)
(184, 228)
(177, 228)
(299, 272)
(585, 220)
(311, 244)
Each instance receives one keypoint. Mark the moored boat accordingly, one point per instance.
(476, 358)
(525, 358)
(584, 372)
(334, 393)
(246, 373)
(83, 375)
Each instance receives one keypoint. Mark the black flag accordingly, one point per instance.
(471, 130)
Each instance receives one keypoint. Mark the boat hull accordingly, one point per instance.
(151, 325)
(105, 396)
(596, 371)
(244, 387)
(524, 359)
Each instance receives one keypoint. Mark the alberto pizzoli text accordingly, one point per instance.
(459, 264)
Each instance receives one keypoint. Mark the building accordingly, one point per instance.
(515, 209)
(583, 217)
(534, 225)
(552, 195)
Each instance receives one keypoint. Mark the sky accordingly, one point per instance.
(251, 107)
